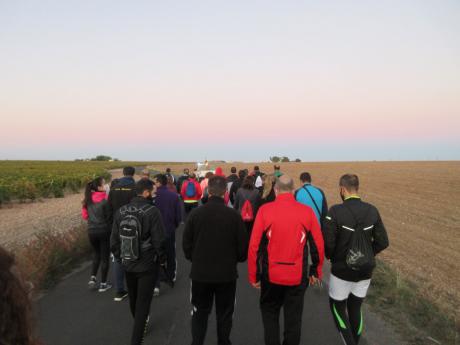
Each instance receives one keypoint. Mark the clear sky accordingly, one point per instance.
(233, 80)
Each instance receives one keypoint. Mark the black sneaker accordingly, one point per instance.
(120, 296)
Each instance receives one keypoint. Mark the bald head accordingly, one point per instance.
(284, 184)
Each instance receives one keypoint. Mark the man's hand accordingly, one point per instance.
(315, 281)
(256, 285)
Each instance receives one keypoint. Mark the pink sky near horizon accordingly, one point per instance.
(228, 73)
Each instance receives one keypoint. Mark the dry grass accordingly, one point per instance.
(50, 255)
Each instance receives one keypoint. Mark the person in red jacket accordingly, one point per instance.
(191, 194)
(278, 261)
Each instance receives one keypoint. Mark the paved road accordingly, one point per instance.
(70, 314)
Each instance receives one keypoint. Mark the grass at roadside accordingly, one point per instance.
(49, 256)
(418, 320)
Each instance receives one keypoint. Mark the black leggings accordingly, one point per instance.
(348, 318)
(101, 254)
(140, 293)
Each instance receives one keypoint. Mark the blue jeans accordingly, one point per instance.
(119, 274)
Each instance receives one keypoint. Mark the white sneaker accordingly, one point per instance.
(92, 283)
(156, 292)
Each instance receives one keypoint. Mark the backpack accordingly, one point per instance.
(190, 190)
(247, 213)
(130, 232)
(360, 253)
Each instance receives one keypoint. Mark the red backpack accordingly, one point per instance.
(247, 213)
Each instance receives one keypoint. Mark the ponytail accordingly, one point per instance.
(91, 187)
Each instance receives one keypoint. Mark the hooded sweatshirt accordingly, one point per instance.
(97, 214)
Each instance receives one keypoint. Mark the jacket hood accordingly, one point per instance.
(125, 181)
(98, 196)
(219, 172)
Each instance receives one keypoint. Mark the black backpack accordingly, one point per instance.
(131, 232)
(360, 253)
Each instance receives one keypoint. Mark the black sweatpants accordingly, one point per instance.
(101, 254)
(348, 318)
(171, 263)
(140, 293)
(203, 295)
(291, 298)
(189, 207)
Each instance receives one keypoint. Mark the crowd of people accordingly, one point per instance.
(249, 216)
(245, 216)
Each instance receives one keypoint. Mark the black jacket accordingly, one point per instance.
(235, 186)
(247, 194)
(153, 233)
(99, 218)
(180, 181)
(232, 178)
(215, 240)
(121, 194)
(338, 230)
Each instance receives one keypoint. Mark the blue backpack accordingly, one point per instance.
(190, 191)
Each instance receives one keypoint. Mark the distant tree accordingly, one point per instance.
(298, 160)
(285, 159)
(102, 158)
(116, 160)
(275, 159)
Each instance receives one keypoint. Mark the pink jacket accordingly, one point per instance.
(96, 197)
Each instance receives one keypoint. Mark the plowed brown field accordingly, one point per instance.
(420, 206)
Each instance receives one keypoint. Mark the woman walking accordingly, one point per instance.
(247, 202)
(95, 211)
(268, 194)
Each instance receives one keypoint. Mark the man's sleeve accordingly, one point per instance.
(177, 212)
(182, 191)
(257, 232)
(157, 232)
(236, 204)
(115, 238)
(242, 240)
(330, 232)
(315, 239)
(199, 191)
(84, 213)
(187, 239)
(110, 207)
(323, 210)
(232, 193)
(380, 236)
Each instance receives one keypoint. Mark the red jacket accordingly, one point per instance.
(198, 193)
(280, 232)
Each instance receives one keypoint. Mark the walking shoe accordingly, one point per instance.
(103, 287)
(120, 296)
(92, 283)
(156, 292)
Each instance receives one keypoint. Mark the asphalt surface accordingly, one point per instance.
(70, 314)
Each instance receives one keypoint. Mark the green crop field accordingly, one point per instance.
(29, 180)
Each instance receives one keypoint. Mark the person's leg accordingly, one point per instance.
(293, 309)
(131, 283)
(339, 313)
(225, 306)
(202, 299)
(119, 273)
(271, 300)
(95, 243)
(171, 256)
(146, 283)
(105, 258)
(355, 316)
